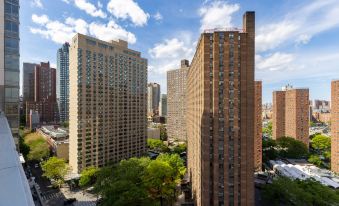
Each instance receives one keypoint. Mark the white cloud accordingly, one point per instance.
(167, 54)
(128, 9)
(90, 8)
(111, 31)
(299, 25)
(273, 62)
(37, 3)
(66, 1)
(61, 32)
(157, 16)
(217, 14)
(100, 5)
(43, 19)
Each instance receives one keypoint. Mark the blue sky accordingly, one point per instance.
(296, 41)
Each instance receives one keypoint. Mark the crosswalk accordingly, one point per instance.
(52, 196)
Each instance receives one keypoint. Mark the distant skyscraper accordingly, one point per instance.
(153, 98)
(291, 114)
(163, 105)
(220, 116)
(28, 83)
(44, 101)
(335, 126)
(9, 63)
(63, 81)
(258, 126)
(107, 102)
(176, 101)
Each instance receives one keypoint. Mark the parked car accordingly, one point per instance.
(69, 201)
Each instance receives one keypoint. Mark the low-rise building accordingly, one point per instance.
(153, 133)
(57, 138)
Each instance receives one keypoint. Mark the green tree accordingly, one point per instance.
(291, 148)
(163, 132)
(39, 149)
(65, 124)
(55, 169)
(321, 142)
(88, 176)
(268, 129)
(23, 147)
(180, 148)
(123, 184)
(159, 181)
(268, 149)
(157, 145)
(315, 159)
(284, 191)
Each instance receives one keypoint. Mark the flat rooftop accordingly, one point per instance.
(14, 188)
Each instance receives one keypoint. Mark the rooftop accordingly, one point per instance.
(14, 189)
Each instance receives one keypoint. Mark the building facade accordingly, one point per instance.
(176, 101)
(63, 81)
(44, 101)
(153, 98)
(9, 63)
(335, 126)
(28, 82)
(163, 105)
(107, 104)
(291, 114)
(258, 125)
(220, 116)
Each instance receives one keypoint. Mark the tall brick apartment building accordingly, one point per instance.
(44, 102)
(176, 101)
(258, 126)
(335, 126)
(220, 116)
(291, 114)
(108, 102)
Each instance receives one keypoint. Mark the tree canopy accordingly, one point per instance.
(140, 181)
(268, 129)
(157, 145)
(55, 169)
(291, 148)
(321, 142)
(38, 147)
(88, 176)
(284, 191)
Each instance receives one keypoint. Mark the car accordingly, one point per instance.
(69, 201)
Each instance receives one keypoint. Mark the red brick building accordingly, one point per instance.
(257, 125)
(335, 126)
(44, 93)
(220, 116)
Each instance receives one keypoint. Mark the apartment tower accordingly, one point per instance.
(44, 101)
(63, 81)
(163, 105)
(291, 114)
(220, 116)
(257, 125)
(153, 98)
(9, 63)
(335, 126)
(176, 101)
(28, 83)
(107, 104)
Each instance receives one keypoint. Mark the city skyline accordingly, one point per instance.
(294, 56)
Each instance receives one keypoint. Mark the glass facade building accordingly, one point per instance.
(9, 64)
(63, 81)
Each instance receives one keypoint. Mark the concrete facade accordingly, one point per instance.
(291, 114)
(220, 116)
(335, 126)
(258, 126)
(108, 102)
(176, 102)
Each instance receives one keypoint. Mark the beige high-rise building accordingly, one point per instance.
(291, 114)
(176, 101)
(258, 126)
(108, 97)
(220, 116)
(335, 126)
(153, 98)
